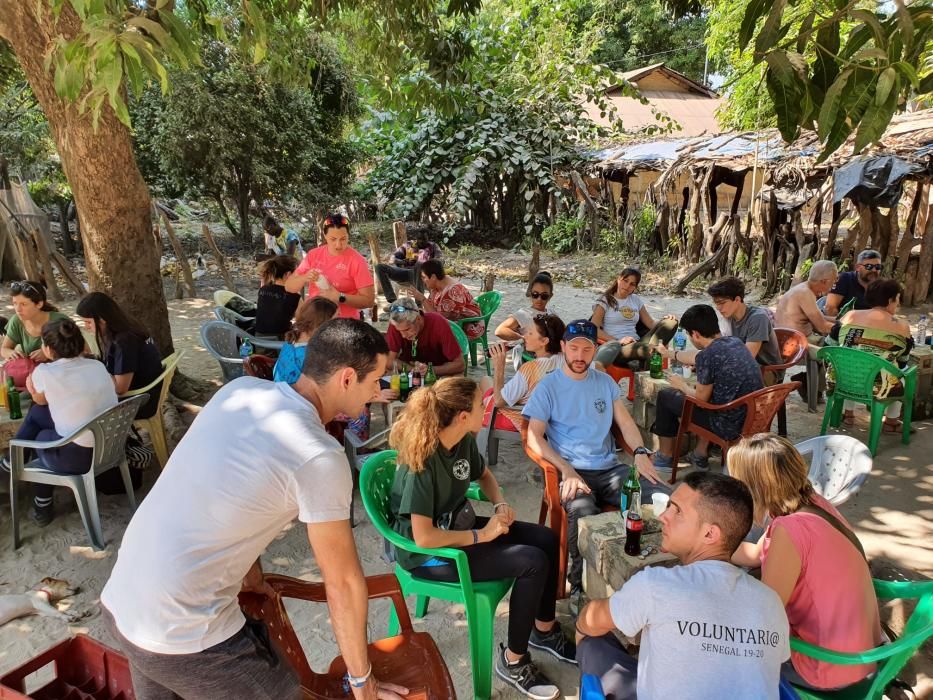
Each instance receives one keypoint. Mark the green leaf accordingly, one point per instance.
(787, 84)
(907, 70)
(870, 20)
(825, 68)
(906, 24)
(753, 12)
(771, 29)
(886, 81)
(831, 103)
(876, 118)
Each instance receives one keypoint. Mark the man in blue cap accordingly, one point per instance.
(575, 409)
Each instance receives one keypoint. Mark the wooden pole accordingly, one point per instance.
(489, 282)
(68, 274)
(399, 234)
(374, 257)
(908, 240)
(228, 278)
(925, 266)
(42, 248)
(181, 259)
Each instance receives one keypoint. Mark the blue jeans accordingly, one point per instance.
(68, 459)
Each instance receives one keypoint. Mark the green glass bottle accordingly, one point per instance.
(656, 365)
(430, 377)
(16, 411)
(631, 492)
(403, 385)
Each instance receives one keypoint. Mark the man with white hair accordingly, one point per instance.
(797, 308)
(420, 338)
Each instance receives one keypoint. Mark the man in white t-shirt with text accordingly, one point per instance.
(708, 629)
(255, 458)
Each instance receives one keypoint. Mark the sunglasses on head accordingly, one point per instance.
(20, 287)
(873, 266)
(581, 328)
(336, 222)
(400, 309)
(540, 295)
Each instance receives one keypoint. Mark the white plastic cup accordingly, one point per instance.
(687, 371)
(659, 502)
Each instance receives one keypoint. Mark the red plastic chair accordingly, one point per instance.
(499, 427)
(551, 507)
(259, 366)
(620, 373)
(794, 347)
(761, 405)
(410, 658)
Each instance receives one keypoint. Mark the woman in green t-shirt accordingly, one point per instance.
(24, 330)
(438, 459)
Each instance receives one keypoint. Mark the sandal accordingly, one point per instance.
(699, 462)
(895, 425)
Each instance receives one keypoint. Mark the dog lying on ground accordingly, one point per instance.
(39, 601)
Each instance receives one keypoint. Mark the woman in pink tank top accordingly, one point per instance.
(821, 577)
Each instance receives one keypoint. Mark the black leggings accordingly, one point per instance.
(528, 553)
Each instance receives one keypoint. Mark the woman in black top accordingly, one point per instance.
(126, 348)
(438, 458)
(275, 307)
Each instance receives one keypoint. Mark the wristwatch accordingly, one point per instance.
(642, 451)
(342, 298)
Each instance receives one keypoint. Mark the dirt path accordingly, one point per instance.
(892, 515)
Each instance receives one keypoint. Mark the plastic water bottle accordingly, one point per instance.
(921, 337)
(680, 344)
(246, 349)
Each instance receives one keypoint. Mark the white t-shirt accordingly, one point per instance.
(620, 322)
(525, 318)
(709, 631)
(76, 389)
(516, 389)
(255, 458)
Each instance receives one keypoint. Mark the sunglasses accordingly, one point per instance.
(541, 295)
(582, 328)
(20, 287)
(873, 266)
(336, 222)
(400, 309)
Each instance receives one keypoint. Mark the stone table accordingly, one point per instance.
(606, 566)
(643, 409)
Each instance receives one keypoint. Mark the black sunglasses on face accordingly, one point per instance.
(873, 266)
(540, 295)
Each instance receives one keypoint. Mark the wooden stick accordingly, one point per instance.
(710, 262)
(228, 278)
(42, 248)
(399, 234)
(375, 259)
(25, 254)
(181, 260)
(489, 282)
(70, 276)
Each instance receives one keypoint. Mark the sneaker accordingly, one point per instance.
(699, 462)
(525, 677)
(575, 600)
(43, 515)
(663, 464)
(554, 642)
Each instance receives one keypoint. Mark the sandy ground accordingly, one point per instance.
(892, 515)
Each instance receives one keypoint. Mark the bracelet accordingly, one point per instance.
(500, 503)
(675, 356)
(360, 681)
(475, 536)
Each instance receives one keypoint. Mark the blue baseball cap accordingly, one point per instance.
(581, 328)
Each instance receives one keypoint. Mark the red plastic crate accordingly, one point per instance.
(76, 669)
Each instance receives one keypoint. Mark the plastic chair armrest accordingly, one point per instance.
(470, 319)
(267, 344)
(862, 657)
(712, 406)
(374, 439)
(888, 590)
(36, 445)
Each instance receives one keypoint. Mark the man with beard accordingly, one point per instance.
(853, 284)
(575, 409)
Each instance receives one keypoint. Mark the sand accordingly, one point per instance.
(892, 515)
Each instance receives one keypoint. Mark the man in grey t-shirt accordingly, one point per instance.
(750, 324)
(708, 629)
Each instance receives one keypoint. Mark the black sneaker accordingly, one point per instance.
(43, 515)
(554, 642)
(525, 677)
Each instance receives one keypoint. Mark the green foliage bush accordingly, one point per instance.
(561, 236)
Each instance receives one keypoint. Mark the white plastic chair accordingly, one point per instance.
(839, 465)
(110, 429)
(220, 340)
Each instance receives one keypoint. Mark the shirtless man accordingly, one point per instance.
(797, 308)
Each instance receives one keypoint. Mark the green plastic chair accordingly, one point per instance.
(855, 371)
(478, 599)
(890, 658)
(464, 344)
(488, 305)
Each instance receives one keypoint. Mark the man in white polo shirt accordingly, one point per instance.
(708, 629)
(254, 459)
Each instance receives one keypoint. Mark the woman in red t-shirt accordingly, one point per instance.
(336, 271)
(822, 578)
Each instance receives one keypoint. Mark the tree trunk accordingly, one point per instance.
(68, 244)
(111, 197)
(925, 266)
(242, 206)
